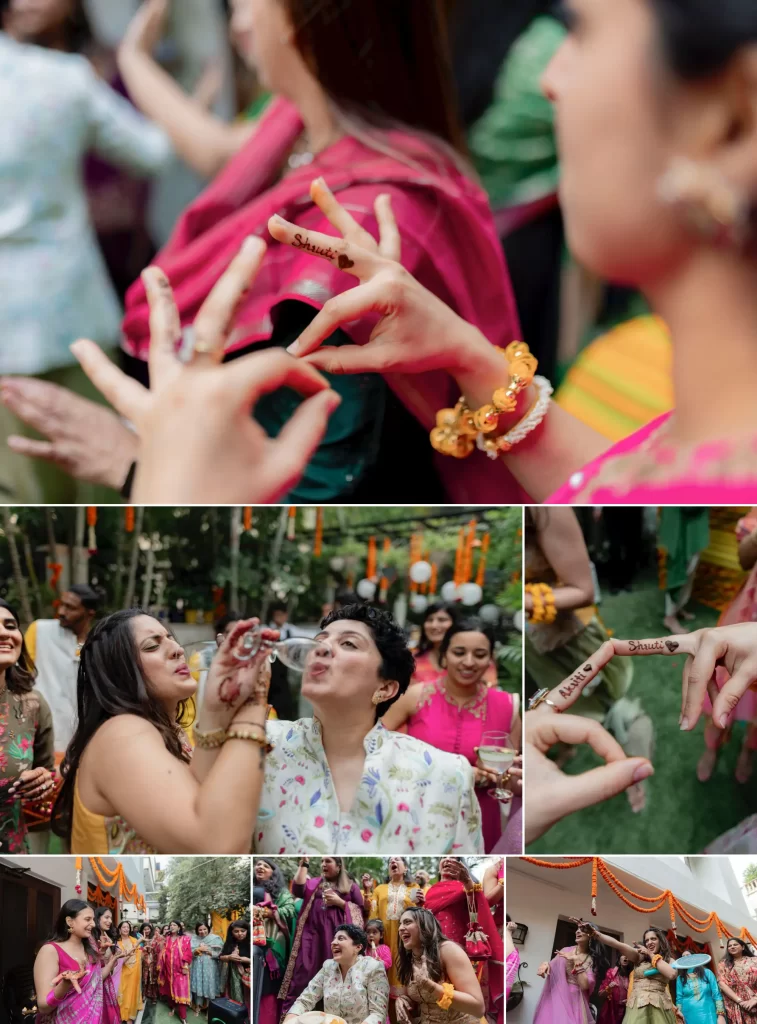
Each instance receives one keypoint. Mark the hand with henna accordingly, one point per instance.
(233, 684)
(72, 977)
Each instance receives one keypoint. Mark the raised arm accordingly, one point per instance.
(622, 947)
(562, 543)
(205, 142)
(493, 887)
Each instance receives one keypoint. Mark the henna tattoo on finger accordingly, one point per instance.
(580, 676)
(328, 253)
(229, 690)
(654, 645)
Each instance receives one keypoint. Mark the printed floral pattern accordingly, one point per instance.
(26, 741)
(360, 998)
(411, 797)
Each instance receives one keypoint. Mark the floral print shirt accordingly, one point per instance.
(26, 741)
(411, 797)
(360, 998)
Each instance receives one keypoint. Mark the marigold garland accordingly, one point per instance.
(599, 866)
(129, 892)
(318, 543)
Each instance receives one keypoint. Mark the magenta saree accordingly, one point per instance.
(614, 988)
(449, 244)
(617, 477)
(563, 1001)
(85, 1007)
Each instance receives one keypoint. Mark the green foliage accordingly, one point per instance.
(376, 867)
(196, 886)
(750, 874)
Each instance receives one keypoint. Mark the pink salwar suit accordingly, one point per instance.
(176, 960)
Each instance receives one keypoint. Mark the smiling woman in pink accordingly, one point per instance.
(454, 711)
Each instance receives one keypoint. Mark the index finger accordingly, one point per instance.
(683, 643)
(338, 217)
(570, 689)
(347, 256)
(165, 325)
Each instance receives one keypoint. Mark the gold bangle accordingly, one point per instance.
(456, 429)
(209, 740)
(235, 733)
(445, 1001)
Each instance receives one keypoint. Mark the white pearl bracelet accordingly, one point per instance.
(498, 446)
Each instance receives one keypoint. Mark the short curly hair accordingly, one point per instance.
(397, 661)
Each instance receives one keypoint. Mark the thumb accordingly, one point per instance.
(599, 784)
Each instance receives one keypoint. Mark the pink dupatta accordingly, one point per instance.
(562, 1001)
(448, 243)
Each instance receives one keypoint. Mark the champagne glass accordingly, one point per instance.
(497, 752)
(293, 652)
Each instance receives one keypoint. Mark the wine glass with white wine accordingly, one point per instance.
(497, 752)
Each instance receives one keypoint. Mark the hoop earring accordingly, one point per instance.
(715, 208)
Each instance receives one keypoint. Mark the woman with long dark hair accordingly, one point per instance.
(387, 902)
(132, 687)
(26, 734)
(351, 984)
(572, 977)
(174, 968)
(130, 1000)
(454, 711)
(698, 996)
(328, 901)
(649, 1000)
(278, 912)
(434, 971)
(737, 977)
(379, 130)
(236, 963)
(437, 619)
(150, 952)
(105, 936)
(68, 972)
(613, 992)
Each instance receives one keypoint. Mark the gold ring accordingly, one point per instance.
(540, 697)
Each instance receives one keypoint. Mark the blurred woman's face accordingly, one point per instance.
(30, 19)
(436, 626)
(652, 942)
(82, 925)
(620, 120)
(263, 35)
(125, 930)
(409, 931)
(202, 931)
(162, 660)
(239, 934)
(263, 871)
(467, 658)
(343, 949)
(106, 921)
(174, 928)
(734, 948)
(329, 868)
(344, 668)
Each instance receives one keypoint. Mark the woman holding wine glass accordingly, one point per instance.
(132, 686)
(459, 712)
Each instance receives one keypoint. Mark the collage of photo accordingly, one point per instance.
(378, 511)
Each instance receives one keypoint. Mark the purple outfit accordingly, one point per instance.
(563, 1001)
(316, 927)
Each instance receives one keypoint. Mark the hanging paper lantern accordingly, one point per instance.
(418, 603)
(309, 517)
(91, 522)
(420, 572)
(336, 563)
(488, 613)
(292, 522)
(366, 589)
(449, 591)
(518, 620)
(471, 593)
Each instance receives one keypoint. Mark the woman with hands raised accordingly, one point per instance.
(571, 978)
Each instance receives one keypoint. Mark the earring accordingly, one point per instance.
(713, 206)
(377, 699)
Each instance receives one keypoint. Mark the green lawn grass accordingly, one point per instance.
(682, 815)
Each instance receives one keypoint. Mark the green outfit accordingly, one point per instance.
(684, 533)
(26, 741)
(513, 144)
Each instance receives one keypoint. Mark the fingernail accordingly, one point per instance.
(279, 220)
(643, 772)
(321, 183)
(294, 348)
(335, 401)
(251, 245)
(684, 724)
(723, 721)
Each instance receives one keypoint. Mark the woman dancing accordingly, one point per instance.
(649, 1000)
(236, 965)
(175, 963)
(454, 711)
(698, 997)
(68, 973)
(331, 900)
(132, 685)
(613, 992)
(279, 917)
(363, 784)
(387, 902)
(572, 977)
(130, 1000)
(353, 986)
(204, 983)
(26, 734)
(737, 976)
(438, 979)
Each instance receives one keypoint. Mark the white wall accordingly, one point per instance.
(538, 900)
